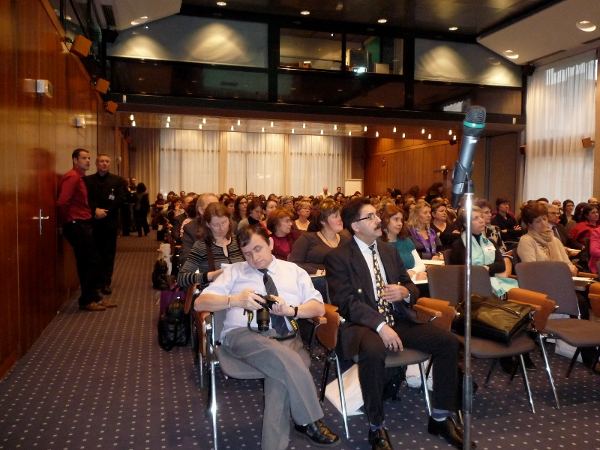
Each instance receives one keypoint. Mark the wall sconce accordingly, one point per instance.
(111, 107)
(81, 46)
(587, 142)
(102, 85)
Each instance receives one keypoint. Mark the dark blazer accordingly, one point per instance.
(351, 288)
(190, 235)
(563, 236)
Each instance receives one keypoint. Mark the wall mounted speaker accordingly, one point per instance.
(111, 107)
(81, 46)
(102, 85)
(587, 142)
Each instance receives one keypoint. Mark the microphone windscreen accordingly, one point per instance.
(475, 115)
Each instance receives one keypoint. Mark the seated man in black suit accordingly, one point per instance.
(369, 284)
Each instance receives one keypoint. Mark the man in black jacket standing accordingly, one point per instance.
(106, 194)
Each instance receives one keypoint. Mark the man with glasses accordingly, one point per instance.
(572, 246)
(369, 284)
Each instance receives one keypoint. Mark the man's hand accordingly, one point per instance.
(212, 276)
(281, 308)
(101, 213)
(248, 299)
(390, 339)
(394, 292)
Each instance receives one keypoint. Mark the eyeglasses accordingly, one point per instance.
(369, 216)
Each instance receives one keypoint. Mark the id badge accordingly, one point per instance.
(111, 197)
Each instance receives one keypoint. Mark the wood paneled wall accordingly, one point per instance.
(37, 136)
(403, 163)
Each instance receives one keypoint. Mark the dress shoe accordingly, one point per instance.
(380, 440)
(529, 365)
(93, 306)
(107, 303)
(449, 430)
(318, 434)
(106, 290)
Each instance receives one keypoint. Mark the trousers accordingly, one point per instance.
(80, 236)
(289, 386)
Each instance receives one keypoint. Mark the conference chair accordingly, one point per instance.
(328, 335)
(447, 283)
(197, 332)
(218, 356)
(553, 278)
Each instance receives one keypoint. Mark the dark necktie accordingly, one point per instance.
(277, 322)
(383, 306)
(556, 233)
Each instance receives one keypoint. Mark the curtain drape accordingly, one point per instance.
(560, 112)
(144, 158)
(263, 163)
(317, 161)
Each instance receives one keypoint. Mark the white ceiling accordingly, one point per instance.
(550, 32)
(126, 11)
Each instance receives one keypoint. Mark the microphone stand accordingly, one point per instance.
(468, 378)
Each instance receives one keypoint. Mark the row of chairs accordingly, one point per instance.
(546, 286)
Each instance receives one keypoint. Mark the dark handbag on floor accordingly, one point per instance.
(494, 319)
(173, 328)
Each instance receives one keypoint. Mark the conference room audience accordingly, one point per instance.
(311, 248)
(504, 219)
(424, 237)
(442, 224)
(587, 220)
(303, 210)
(566, 216)
(240, 208)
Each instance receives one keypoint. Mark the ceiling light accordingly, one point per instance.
(454, 137)
(293, 130)
(133, 123)
(239, 122)
(382, 20)
(221, 3)
(146, 27)
(449, 132)
(306, 12)
(332, 35)
(262, 129)
(204, 120)
(377, 134)
(335, 126)
(349, 133)
(365, 128)
(200, 126)
(403, 135)
(168, 125)
(321, 131)
(586, 25)
(429, 136)
(168, 118)
(131, 117)
(422, 130)
(272, 124)
(510, 54)
(394, 130)
(139, 20)
(303, 125)
(452, 28)
(231, 128)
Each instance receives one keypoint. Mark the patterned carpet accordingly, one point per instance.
(100, 380)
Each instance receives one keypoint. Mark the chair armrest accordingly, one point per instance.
(534, 299)
(446, 312)
(595, 303)
(189, 298)
(201, 318)
(327, 333)
(587, 275)
(318, 320)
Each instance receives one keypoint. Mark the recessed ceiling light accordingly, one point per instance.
(239, 122)
(510, 54)
(221, 3)
(272, 124)
(422, 130)
(199, 126)
(131, 117)
(168, 125)
(452, 28)
(382, 20)
(586, 25)
(403, 135)
(306, 12)
(204, 120)
(377, 134)
(449, 132)
(365, 128)
(231, 128)
(303, 125)
(394, 130)
(133, 123)
(335, 126)
(168, 118)
(349, 133)
(429, 136)
(262, 129)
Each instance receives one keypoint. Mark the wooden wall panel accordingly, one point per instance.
(394, 163)
(37, 136)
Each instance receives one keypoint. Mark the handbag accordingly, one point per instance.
(494, 319)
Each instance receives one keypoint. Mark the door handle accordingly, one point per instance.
(39, 218)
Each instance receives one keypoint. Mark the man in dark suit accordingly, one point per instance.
(572, 246)
(369, 284)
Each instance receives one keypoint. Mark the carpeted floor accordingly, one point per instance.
(100, 380)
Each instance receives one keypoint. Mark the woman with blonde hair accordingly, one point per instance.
(424, 237)
(303, 212)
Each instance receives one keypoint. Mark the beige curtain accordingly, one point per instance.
(144, 156)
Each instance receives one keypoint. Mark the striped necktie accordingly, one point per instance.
(383, 306)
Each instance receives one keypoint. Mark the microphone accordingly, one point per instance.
(473, 126)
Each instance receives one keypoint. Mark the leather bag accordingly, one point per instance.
(494, 319)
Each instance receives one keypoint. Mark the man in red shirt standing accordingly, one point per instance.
(76, 218)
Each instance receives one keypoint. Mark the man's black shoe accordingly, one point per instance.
(449, 430)
(380, 440)
(106, 290)
(529, 365)
(319, 434)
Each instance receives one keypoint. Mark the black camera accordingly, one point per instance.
(263, 317)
